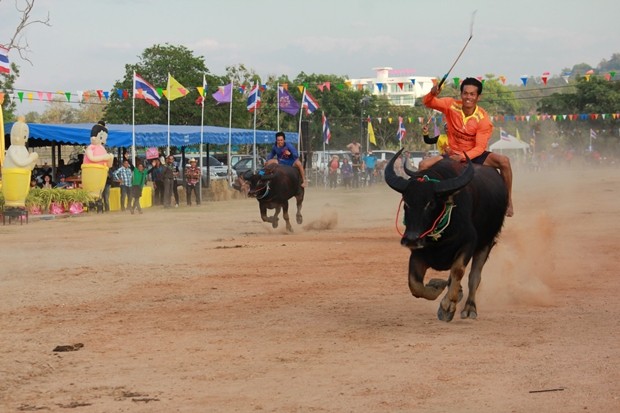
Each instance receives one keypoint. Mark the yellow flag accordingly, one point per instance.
(371, 134)
(175, 89)
(518, 137)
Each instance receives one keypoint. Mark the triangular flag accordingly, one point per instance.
(175, 89)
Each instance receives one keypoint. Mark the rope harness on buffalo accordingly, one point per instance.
(440, 223)
(266, 188)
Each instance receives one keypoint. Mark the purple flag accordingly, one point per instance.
(286, 102)
(223, 94)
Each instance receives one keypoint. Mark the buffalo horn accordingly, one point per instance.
(452, 185)
(408, 171)
(397, 183)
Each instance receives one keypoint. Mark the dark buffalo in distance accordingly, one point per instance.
(453, 213)
(273, 187)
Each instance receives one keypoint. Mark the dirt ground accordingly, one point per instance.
(207, 309)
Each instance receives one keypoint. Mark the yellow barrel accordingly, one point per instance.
(93, 178)
(15, 186)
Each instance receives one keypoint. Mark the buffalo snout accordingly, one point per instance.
(412, 241)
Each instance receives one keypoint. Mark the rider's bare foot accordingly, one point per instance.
(303, 184)
(509, 210)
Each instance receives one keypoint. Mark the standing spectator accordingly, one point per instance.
(192, 178)
(157, 176)
(370, 162)
(355, 147)
(334, 165)
(168, 174)
(123, 176)
(356, 164)
(137, 183)
(175, 176)
(346, 171)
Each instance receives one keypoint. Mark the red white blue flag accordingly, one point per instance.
(4, 60)
(327, 134)
(503, 135)
(144, 90)
(254, 98)
(309, 103)
(401, 129)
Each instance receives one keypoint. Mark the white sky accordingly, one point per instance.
(90, 41)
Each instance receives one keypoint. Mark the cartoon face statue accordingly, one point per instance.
(99, 134)
(19, 133)
(17, 155)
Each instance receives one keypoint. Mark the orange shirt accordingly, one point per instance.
(466, 134)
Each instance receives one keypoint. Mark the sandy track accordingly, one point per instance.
(208, 309)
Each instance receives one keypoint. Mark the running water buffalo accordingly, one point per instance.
(453, 212)
(273, 187)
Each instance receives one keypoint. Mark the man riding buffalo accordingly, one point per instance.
(469, 131)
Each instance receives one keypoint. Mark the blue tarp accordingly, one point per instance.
(151, 135)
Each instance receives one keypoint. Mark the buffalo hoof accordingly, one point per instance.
(469, 311)
(437, 283)
(446, 314)
(300, 219)
(274, 223)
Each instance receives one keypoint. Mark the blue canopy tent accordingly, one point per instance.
(120, 136)
(151, 135)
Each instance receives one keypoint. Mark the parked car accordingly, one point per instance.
(247, 164)
(382, 155)
(217, 169)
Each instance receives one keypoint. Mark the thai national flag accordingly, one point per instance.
(309, 103)
(4, 61)
(144, 90)
(503, 135)
(327, 134)
(254, 98)
(401, 129)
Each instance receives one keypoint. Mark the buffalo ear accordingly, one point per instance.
(397, 183)
(247, 175)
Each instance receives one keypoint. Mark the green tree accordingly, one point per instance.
(154, 66)
(58, 111)
(611, 65)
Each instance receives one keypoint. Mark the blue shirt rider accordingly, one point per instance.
(286, 154)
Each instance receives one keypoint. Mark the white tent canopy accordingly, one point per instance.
(507, 142)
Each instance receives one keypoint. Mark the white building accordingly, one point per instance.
(399, 88)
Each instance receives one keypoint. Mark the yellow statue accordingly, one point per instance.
(17, 167)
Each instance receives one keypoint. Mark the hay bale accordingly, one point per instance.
(219, 191)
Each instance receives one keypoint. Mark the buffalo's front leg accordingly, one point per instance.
(289, 228)
(300, 199)
(447, 306)
(417, 270)
(479, 259)
(273, 219)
